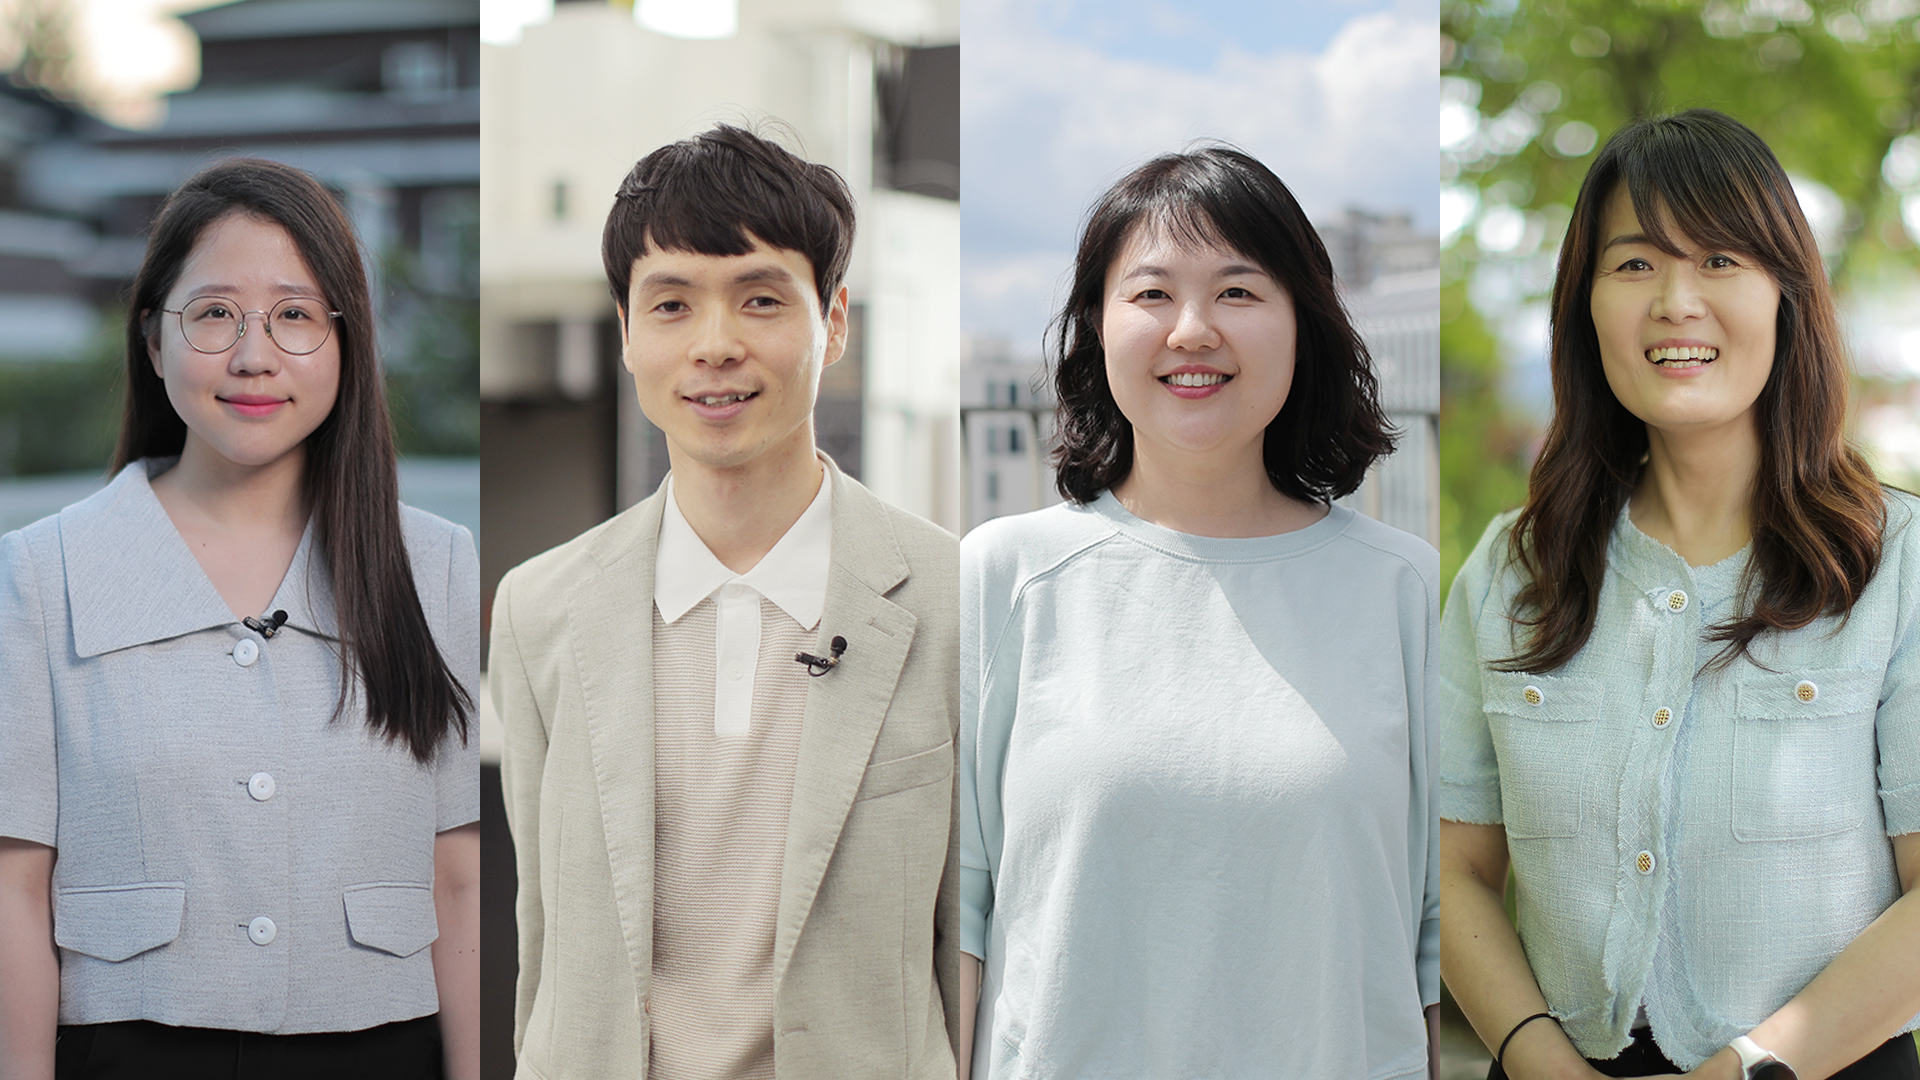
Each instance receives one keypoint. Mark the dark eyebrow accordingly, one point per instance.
(660, 279)
(774, 274)
(1230, 270)
(1630, 238)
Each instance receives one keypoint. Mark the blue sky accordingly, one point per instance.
(1061, 97)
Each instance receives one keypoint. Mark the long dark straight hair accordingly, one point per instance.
(351, 481)
(1331, 427)
(1816, 512)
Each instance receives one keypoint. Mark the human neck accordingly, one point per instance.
(1697, 493)
(1201, 496)
(236, 499)
(741, 513)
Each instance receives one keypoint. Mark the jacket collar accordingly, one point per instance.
(132, 580)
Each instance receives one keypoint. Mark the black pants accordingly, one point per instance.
(142, 1050)
(1894, 1060)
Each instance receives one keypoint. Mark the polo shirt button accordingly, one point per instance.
(245, 652)
(1806, 691)
(1644, 862)
(1662, 717)
(1677, 601)
(261, 931)
(1533, 695)
(260, 786)
(734, 671)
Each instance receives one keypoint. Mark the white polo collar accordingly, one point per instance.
(793, 574)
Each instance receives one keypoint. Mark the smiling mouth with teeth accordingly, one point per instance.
(723, 399)
(1688, 357)
(1195, 378)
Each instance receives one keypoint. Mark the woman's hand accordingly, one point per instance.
(30, 988)
(1484, 965)
(456, 953)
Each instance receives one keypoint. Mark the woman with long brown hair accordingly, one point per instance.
(237, 690)
(1681, 686)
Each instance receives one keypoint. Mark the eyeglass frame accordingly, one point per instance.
(240, 318)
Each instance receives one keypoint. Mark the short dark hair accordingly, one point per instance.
(1331, 427)
(708, 193)
(351, 482)
(1816, 513)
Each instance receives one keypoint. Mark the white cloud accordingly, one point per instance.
(1048, 123)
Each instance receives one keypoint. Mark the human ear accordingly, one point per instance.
(836, 327)
(626, 359)
(152, 327)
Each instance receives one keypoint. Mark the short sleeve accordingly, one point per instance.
(1469, 770)
(457, 768)
(29, 773)
(1897, 724)
(987, 702)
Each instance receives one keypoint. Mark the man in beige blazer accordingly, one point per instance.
(730, 711)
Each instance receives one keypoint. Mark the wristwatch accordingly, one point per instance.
(1758, 1064)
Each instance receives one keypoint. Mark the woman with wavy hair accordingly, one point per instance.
(1195, 811)
(238, 684)
(1681, 686)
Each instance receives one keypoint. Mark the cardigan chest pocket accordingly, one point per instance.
(116, 922)
(1803, 753)
(394, 917)
(1543, 732)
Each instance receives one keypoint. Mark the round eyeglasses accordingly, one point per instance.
(214, 324)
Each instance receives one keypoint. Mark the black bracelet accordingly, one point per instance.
(1501, 1057)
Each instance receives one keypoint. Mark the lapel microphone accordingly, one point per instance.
(268, 625)
(820, 665)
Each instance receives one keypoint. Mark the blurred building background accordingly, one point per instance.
(574, 93)
(380, 101)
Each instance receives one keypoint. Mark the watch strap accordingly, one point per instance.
(1757, 1063)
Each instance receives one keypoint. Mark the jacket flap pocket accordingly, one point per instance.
(1540, 697)
(912, 771)
(1806, 695)
(114, 922)
(392, 916)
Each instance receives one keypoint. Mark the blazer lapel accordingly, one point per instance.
(610, 617)
(845, 706)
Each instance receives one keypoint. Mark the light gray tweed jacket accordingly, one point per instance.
(230, 855)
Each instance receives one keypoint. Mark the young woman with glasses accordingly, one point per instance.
(1680, 688)
(236, 837)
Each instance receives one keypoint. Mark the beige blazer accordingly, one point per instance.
(864, 960)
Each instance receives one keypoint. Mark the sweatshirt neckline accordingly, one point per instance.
(1223, 549)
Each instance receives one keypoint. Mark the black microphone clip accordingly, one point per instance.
(820, 665)
(267, 625)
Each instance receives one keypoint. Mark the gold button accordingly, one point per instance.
(1662, 717)
(1533, 695)
(1643, 862)
(1806, 691)
(1676, 601)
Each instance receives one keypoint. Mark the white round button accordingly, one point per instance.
(245, 652)
(735, 671)
(1677, 601)
(1644, 862)
(1662, 716)
(260, 786)
(1806, 691)
(261, 931)
(1532, 695)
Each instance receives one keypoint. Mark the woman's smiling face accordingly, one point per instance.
(1686, 341)
(1199, 344)
(254, 402)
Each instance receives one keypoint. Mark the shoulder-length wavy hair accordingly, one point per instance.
(1331, 427)
(1816, 512)
(351, 481)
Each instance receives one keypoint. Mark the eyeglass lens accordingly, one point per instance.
(214, 324)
